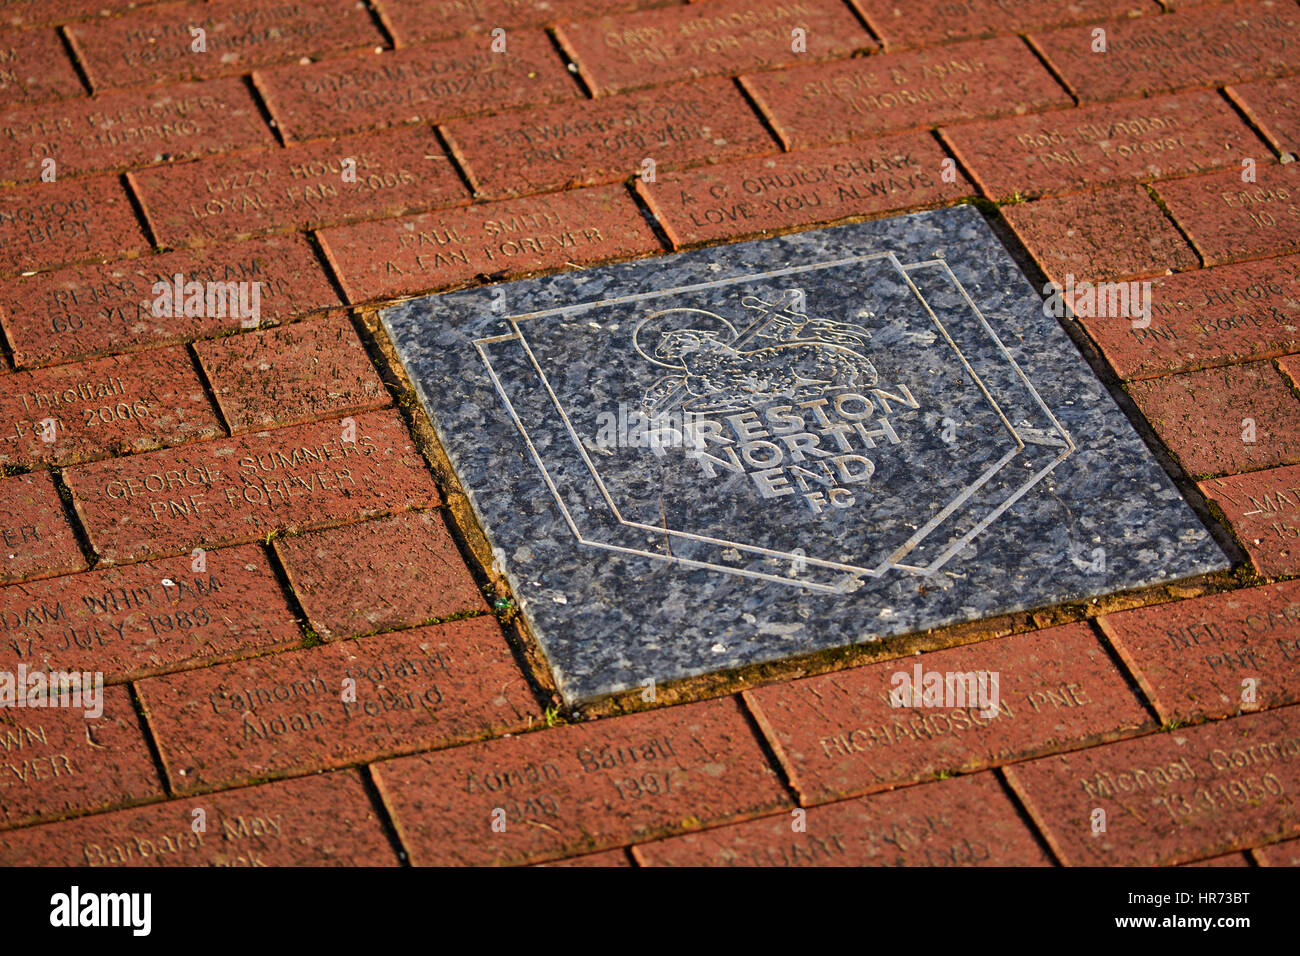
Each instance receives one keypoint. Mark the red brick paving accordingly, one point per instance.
(51, 224)
(901, 24)
(36, 540)
(415, 21)
(1279, 854)
(1228, 219)
(1274, 107)
(34, 67)
(1263, 510)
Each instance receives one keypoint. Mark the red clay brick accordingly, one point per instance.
(438, 81)
(28, 12)
(34, 67)
(36, 540)
(1206, 317)
(964, 822)
(291, 374)
(1178, 51)
(382, 260)
(607, 858)
(578, 788)
(415, 21)
(1191, 657)
(51, 224)
(238, 489)
(759, 196)
(839, 735)
(1206, 417)
(127, 623)
(156, 43)
(1229, 220)
(56, 760)
(866, 96)
(1103, 145)
(1170, 797)
(133, 128)
(1290, 366)
(604, 140)
(1109, 234)
(1279, 854)
(722, 36)
(1263, 509)
(299, 187)
(325, 820)
(900, 23)
(87, 310)
(1274, 107)
(427, 687)
(120, 404)
(378, 575)
(1228, 859)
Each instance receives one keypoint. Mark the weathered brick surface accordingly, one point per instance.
(36, 539)
(607, 858)
(508, 239)
(238, 489)
(965, 822)
(1290, 367)
(1223, 420)
(652, 47)
(1228, 859)
(291, 374)
(1274, 107)
(86, 310)
(145, 619)
(437, 81)
(1177, 51)
(132, 128)
(578, 788)
(155, 44)
(120, 404)
(758, 196)
(1104, 235)
(415, 21)
(1084, 148)
(1286, 853)
(604, 140)
(50, 224)
(325, 820)
(34, 67)
(29, 12)
(1263, 509)
(406, 566)
(337, 704)
(56, 760)
(901, 24)
(839, 734)
(1192, 657)
(1228, 220)
(865, 96)
(1205, 317)
(298, 187)
(1170, 797)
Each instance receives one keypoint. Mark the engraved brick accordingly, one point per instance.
(901, 24)
(34, 67)
(1228, 220)
(1096, 146)
(1279, 854)
(781, 192)
(1179, 51)
(325, 820)
(52, 224)
(1170, 797)
(297, 711)
(1263, 509)
(604, 140)
(964, 822)
(145, 619)
(1108, 234)
(839, 734)
(298, 187)
(291, 374)
(1274, 107)
(58, 760)
(1192, 657)
(133, 128)
(1223, 420)
(383, 260)
(30, 12)
(436, 81)
(121, 404)
(579, 788)
(416, 21)
(155, 44)
(866, 96)
(238, 489)
(86, 310)
(36, 539)
(378, 575)
(1223, 315)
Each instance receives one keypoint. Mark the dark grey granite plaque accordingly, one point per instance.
(744, 453)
